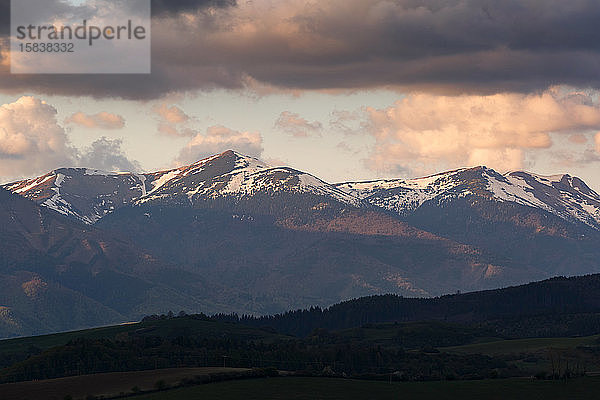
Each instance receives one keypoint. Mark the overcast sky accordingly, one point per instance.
(344, 89)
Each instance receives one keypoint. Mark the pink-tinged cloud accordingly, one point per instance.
(424, 133)
(31, 140)
(218, 139)
(597, 140)
(101, 120)
(293, 124)
(171, 114)
(173, 121)
(578, 138)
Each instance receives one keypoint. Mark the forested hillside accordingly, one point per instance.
(554, 307)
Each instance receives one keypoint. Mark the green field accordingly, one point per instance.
(342, 389)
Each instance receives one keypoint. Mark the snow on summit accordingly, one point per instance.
(88, 195)
(562, 195)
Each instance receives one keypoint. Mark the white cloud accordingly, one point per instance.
(101, 120)
(293, 124)
(424, 133)
(31, 140)
(218, 139)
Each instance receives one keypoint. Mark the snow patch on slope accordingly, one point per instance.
(561, 195)
(310, 183)
(516, 190)
(546, 180)
(56, 202)
(163, 179)
(405, 195)
(31, 184)
(142, 179)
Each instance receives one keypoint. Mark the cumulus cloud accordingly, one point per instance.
(457, 46)
(101, 120)
(425, 133)
(218, 139)
(31, 140)
(293, 124)
(107, 155)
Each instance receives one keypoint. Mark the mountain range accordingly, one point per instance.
(83, 247)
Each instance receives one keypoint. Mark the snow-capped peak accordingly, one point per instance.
(88, 194)
(562, 195)
(233, 175)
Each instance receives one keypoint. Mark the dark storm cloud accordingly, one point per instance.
(171, 7)
(456, 46)
(159, 8)
(50, 6)
(4, 17)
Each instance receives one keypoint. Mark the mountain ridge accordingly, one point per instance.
(563, 195)
(231, 174)
(228, 174)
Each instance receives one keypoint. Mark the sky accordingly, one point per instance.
(343, 89)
